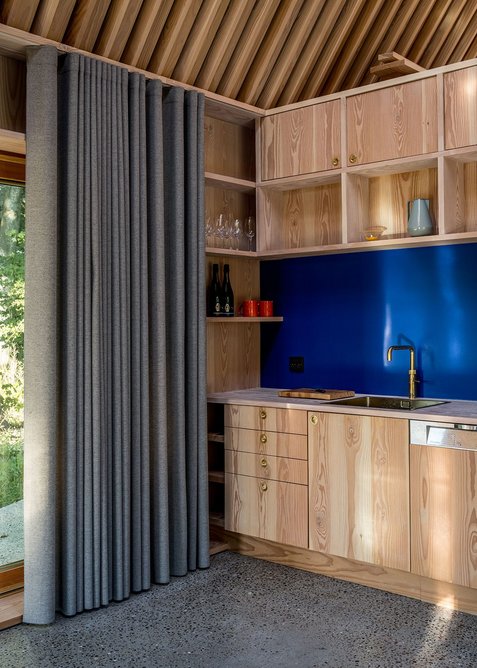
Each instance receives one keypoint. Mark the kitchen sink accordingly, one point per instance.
(393, 403)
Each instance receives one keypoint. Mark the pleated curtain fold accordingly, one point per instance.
(122, 470)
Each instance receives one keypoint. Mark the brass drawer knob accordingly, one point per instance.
(263, 485)
(353, 158)
(263, 414)
(335, 162)
(263, 438)
(263, 462)
(314, 419)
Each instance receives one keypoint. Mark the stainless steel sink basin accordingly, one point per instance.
(393, 403)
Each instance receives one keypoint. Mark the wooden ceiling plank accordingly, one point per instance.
(239, 64)
(442, 32)
(146, 32)
(434, 18)
(462, 46)
(270, 48)
(224, 43)
(52, 18)
(173, 37)
(202, 35)
(290, 52)
(85, 23)
(117, 27)
(19, 13)
(359, 49)
(330, 21)
(442, 55)
(353, 15)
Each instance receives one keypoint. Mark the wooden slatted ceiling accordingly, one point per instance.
(262, 52)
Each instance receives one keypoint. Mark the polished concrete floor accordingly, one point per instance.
(245, 613)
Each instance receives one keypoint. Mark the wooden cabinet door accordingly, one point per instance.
(301, 141)
(460, 100)
(359, 488)
(393, 122)
(276, 511)
(444, 514)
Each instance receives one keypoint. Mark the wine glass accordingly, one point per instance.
(237, 232)
(220, 227)
(228, 229)
(209, 228)
(250, 230)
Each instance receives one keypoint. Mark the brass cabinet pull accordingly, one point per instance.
(263, 485)
(335, 162)
(353, 158)
(263, 462)
(314, 419)
(263, 438)
(263, 414)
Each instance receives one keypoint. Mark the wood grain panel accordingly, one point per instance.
(300, 218)
(460, 196)
(146, 32)
(460, 101)
(229, 149)
(233, 356)
(290, 421)
(117, 27)
(12, 94)
(18, 14)
(359, 488)
(277, 444)
(52, 18)
(85, 24)
(301, 141)
(11, 610)
(414, 586)
(444, 514)
(268, 509)
(267, 467)
(392, 122)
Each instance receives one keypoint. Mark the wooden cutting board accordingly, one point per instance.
(316, 393)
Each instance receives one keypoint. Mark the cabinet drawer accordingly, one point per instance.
(276, 511)
(264, 418)
(270, 468)
(271, 443)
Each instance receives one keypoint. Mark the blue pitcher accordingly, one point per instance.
(419, 221)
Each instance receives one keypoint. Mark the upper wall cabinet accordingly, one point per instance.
(301, 141)
(460, 104)
(394, 122)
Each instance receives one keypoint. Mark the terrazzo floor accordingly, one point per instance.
(245, 613)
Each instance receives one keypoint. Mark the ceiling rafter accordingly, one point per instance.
(85, 23)
(145, 33)
(442, 32)
(244, 53)
(270, 49)
(173, 37)
(116, 28)
(288, 57)
(465, 41)
(195, 50)
(224, 44)
(454, 34)
(19, 14)
(437, 14)
(52, 18)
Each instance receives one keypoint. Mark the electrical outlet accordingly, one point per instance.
(296, 364)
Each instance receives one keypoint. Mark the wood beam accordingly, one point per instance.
(19, 14)
(462, 46)
(176, 31)
(271, 45)
(289, 54)
(329, 20)
(242, 57)
(202, 35)
(339, 36)
(116, 28)
(146, 32)
(434, 18)
(224, 43)
(52, 18)
(441, 54)
(85, 23)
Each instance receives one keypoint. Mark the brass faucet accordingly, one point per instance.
(412, 368)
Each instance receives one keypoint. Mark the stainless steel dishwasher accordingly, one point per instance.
(443, 470)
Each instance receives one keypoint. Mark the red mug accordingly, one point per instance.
(250, 308)
(266, 308)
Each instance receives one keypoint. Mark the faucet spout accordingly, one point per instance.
(412, 367)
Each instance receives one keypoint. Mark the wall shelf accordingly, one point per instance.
(237, 319)
(229, 182)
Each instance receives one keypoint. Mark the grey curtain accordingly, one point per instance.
(120, 463)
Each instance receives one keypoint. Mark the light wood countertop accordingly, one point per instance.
(452, 411)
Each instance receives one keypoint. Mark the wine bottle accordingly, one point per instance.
(214, 300)
(227, 301)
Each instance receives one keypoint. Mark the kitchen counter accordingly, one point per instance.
(453, 411)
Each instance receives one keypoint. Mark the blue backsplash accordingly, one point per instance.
(341, 312)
